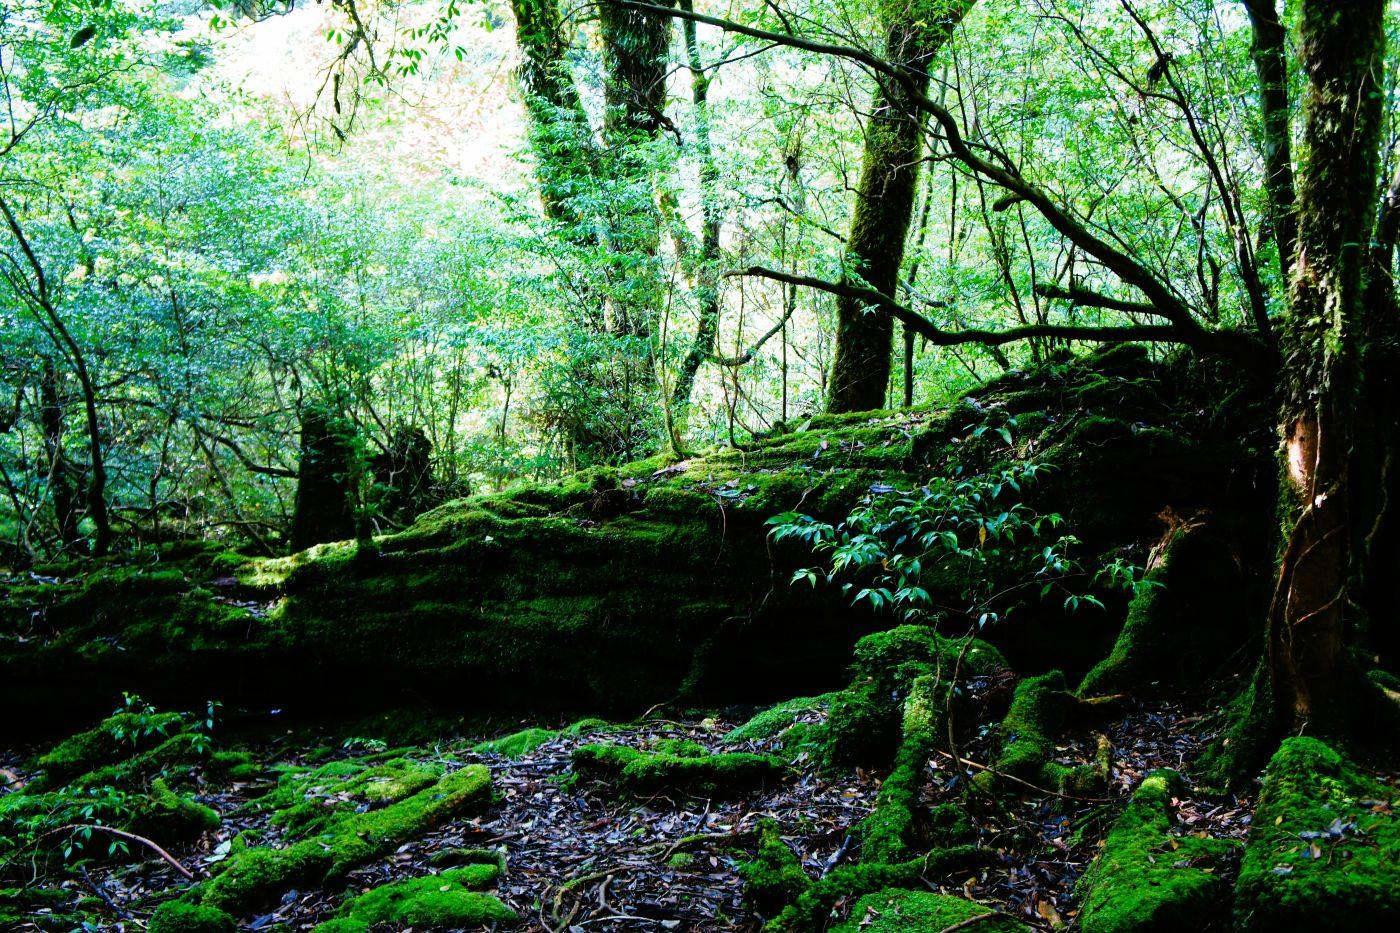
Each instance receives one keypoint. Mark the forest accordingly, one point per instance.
(699, 465)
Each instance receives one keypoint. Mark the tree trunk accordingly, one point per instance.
(1270, 64)
(326, 480)
(63, 491)
(702, 347)
(1342, 46)
(885, 198)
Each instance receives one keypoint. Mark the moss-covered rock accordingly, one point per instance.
(1187, 617)
(1147, 879)
(1039, 712)
(307, 801)
(116, 738)
(517, 744)
(167, 815)
(903, 911)
(450, 900)
(774, 877)
(183, 917)
(1324, 847)
(776, 719)
(863, 727)
(813, 908)
(678, 769)
(259, 875)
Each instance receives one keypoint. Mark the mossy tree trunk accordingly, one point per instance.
(915, 31)
(64, 492)
(636, 46)
(327, 497)
(1342, 50)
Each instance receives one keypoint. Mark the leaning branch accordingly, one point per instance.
(1002, 172)
(938, 336)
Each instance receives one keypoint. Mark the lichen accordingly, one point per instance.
(1148, 879)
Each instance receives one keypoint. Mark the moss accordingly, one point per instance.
(115, 738)
(891, 831)
(775, 719)
(450, 900)
(259, 875)
(1183, 622)
(864, 722)
(774, 877)
(517, 744)
(1147, 879)
(1039, 711)
(342, 925)
(19, 906)
(900, 911)
(310, 800)
(646, 773)
(1324, 847)
(170, 816)
(813, 909)
(182, 917)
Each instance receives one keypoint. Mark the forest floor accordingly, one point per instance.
(581, 858)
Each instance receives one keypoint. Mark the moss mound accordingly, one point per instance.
(1147, 879)
(865, 720)
(1324, 847)
(1039, 711)
(903, 911)
(680, 768)
(776, 719)
(182, 917)
(517, 744)
(450, 900)
(774, 877)
(259, 875)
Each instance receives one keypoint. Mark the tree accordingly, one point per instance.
(889, 180)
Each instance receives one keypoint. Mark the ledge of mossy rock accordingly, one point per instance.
(517, 744)
(309, 800)
(450, 900)
(116, 738)
(683, 770)
(183, 917)
(617, 587)
(899, 910)
(1324, 847)
(1147, 880)
(260, 875)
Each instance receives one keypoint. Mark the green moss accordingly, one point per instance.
(646, 773)
(259, 875)
(1147, 879)
(813, 909)
(450, 900)
(307, 801)
(342, 925)
(1324, 847)
(116, 738)
(863, 727)
(1039, 711)
(517, 744)
(775, 719)
(182, 917)
(891, 831)
(774, 877)
(170, 816)
(903, 911)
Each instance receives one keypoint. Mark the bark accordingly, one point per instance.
(1270, 64)
(1342, 49)
(63, 491)
(560, 135)
(702, 347)
(635, 49)
(326, 480)
(885, 199)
